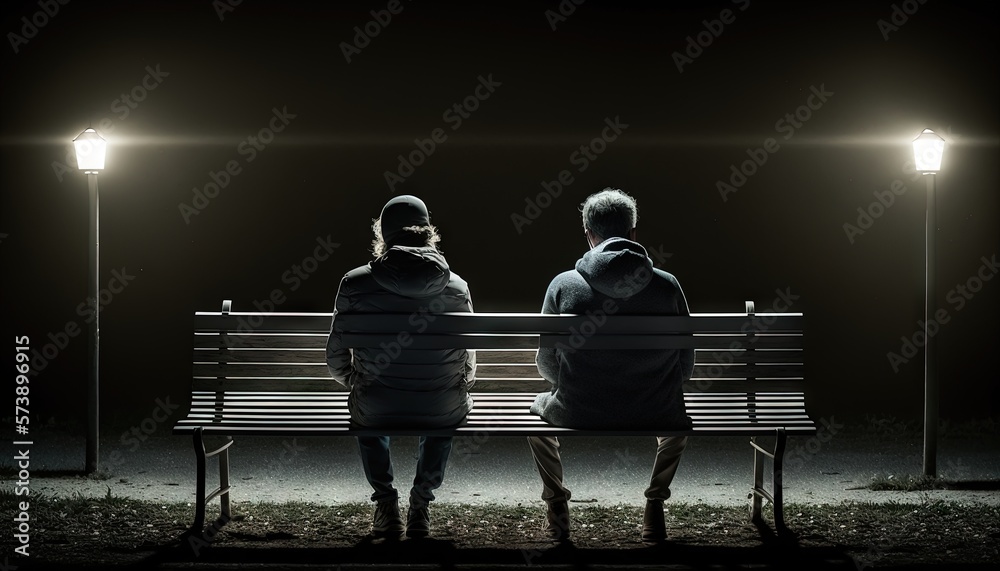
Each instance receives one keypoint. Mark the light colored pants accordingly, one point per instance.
(545, 451)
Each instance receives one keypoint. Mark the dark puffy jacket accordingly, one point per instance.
(418, 388)
(599, 388)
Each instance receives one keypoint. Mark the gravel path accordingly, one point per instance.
(602, 471)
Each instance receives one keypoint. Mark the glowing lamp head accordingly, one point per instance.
(90, 151)
(928, 150)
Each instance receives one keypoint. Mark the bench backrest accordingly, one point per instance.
(282, 352)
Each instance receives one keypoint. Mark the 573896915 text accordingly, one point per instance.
(22, 526)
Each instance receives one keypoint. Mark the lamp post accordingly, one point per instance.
(90, 151)
(928, 150)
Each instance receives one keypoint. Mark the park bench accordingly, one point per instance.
(265, 374)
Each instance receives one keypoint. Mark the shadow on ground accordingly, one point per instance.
(774, 552)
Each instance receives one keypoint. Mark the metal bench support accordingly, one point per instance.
(759, 493)
(222, 492)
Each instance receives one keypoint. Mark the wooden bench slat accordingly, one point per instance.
(500, 396)
(494, 322)
(310, 370)
(277, 407)
(715, 357)
(479, 408)
(491, 421)
(258, 340)
(515, 432)
(497, 424)
(313, 384)
(286, 399)
(207, 345)
(282, 363)
(615, 342)
(271, 355)
(304, 384)
(488, 422)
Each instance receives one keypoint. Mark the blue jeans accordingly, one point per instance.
(431, 461)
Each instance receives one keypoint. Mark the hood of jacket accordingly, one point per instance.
(412, 271)
(617, 267)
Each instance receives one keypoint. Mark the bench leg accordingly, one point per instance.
(756, 497)
(199, 494)
(777, 485)
(226, 511)
(776, 495)
(202, 497)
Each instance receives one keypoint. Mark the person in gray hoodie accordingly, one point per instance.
(403, 387)
(607, 389)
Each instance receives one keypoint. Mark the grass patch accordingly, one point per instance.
(918, 483)
(112, 530)
(887, 426)
(906, 483)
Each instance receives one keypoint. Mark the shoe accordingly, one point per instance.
(557, 517)
(654, 528)
(418, 522)
(387, 521)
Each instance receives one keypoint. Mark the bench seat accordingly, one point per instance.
(504, 414)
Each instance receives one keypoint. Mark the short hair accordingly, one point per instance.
(610, 213)
(410, 236)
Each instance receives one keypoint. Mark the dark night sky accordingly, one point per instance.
(323, 175)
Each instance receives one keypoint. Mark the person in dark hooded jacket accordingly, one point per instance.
(414, 388)
(607, 389)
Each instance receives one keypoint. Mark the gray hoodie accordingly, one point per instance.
(600, 388)
(413, 388)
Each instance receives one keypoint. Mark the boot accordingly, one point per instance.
(557, 517)
(387, 521)
(654, 527)
(418, 522)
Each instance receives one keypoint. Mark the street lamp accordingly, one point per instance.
(928, 150)
(90, 151)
